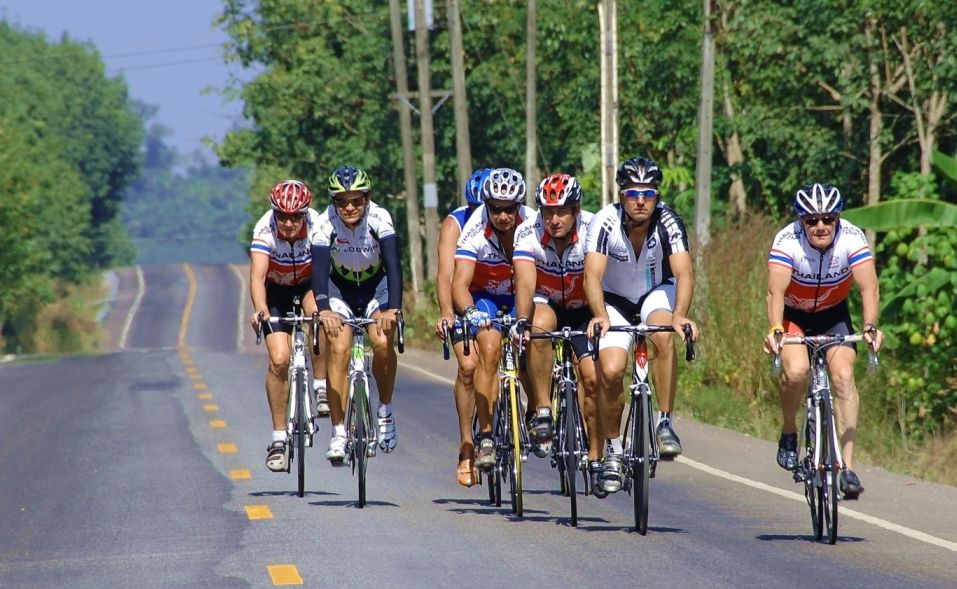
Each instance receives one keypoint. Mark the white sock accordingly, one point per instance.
(385, 409)
(614, 445)
(339, 430)
(319, 384)
(278, 435)
(664, 416)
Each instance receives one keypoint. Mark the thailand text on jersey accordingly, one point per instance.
(354, 255)
(479, 243)
(289, 263)
(819, 280)
(629, 275)
(560, 278)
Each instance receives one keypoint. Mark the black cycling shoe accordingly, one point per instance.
(788, 452)
(850, 484)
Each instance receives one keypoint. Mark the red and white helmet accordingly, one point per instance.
(290, 197)
(558, 190)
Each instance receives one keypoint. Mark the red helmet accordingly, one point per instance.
(559, 190)
(290, 196)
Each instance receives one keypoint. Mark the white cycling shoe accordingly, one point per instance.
(336, 453)
(388, 438)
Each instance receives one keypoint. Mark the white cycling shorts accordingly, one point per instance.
(661, 298)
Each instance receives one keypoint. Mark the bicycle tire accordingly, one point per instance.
(516, 468)
(570, 448)
(830, 474)
(300, 392)
(361, 446)
(641, 469)
(499, 433)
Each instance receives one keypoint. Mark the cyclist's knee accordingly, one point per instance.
(665, 343)
(279, 365)
(842, 379)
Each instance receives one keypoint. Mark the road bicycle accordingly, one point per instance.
(509, 432)
(640, 446)
(301, 410)
(362, 435)
(821, 467)
(569, 442)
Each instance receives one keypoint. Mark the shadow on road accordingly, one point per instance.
(804, 538)
(289, 493)
(352, 503)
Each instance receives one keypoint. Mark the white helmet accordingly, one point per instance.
(818, 199)
(504, 184)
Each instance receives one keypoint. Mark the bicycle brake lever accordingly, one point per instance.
(689, 344)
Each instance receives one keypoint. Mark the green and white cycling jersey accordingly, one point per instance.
(355, 255)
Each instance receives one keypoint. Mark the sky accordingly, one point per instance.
(178, 51)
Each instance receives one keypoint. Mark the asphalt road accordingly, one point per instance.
(144, 467)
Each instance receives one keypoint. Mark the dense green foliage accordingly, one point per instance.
(185, 211)
(69, 145)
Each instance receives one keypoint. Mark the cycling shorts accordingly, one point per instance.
(621, 311)
(836, 319)
(279, 300)
(359, 300)
(491, 304)
(576, 319)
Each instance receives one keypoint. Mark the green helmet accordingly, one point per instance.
(349, 179)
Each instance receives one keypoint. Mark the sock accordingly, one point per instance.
(664, 416)
(614, 445)
(319, 384)
(385, 409)
(339, 430)
(279, 435)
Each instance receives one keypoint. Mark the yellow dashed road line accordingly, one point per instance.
(258, 512)
(240, 474)
(205, 396)
(218, 424)
(199, 386)
(210, 408)
(284, 574)
(227, 448)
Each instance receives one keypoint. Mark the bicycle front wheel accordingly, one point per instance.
(360, 447)
(516, 455)
(810, 472)
(641, 469)
(301, 392)
(570, 447)
(829, 474)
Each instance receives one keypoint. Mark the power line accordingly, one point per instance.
(151, 66)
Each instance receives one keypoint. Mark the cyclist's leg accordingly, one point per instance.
(337, 366)
(840, 363)
(464, 390)
(539, 368)
(656, 309)
(488, 348)
(794, 373)
(588, 392)
(277, 377)
(318, 362)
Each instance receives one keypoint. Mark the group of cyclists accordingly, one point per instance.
(554, 267)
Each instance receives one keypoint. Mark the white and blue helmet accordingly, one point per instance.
(818, 199)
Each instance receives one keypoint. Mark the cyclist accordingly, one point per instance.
(464, 389)
(811, 266)
(280, 268)
(637, 264)
(549, 262)
(482, 285)
(357, 273)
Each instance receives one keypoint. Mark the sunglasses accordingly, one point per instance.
(283, 217)
(647, 193)
(813, 221)
(510, 209)
(343, 203)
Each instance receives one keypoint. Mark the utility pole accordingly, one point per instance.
(429, 190)
(608, 21)
(463, 148)
(408, 150)
(705, 133)
(531, 98)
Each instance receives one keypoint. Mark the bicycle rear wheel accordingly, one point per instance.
(300, 392)
(570, 447)
(641, 464)
(829, 475)
(360, 448)
(515, 472)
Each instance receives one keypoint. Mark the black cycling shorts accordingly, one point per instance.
(836, 319)
(576, 319)
(279, 300)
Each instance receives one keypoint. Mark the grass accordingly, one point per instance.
(68, 324)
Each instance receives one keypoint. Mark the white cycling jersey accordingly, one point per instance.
(819, 280)
(290, 263)
(560, 278)
(479, 244)
(354, 254)
(629, 275)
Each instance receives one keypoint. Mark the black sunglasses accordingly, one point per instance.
(510, 209)
(813, 221)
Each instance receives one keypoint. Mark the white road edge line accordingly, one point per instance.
(140, 289)
(881, 523)
(239, 310)
(876, 521)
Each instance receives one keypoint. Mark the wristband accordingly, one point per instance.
(776, 328)
(870, 327)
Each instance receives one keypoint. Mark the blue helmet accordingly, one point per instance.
(473, 188)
